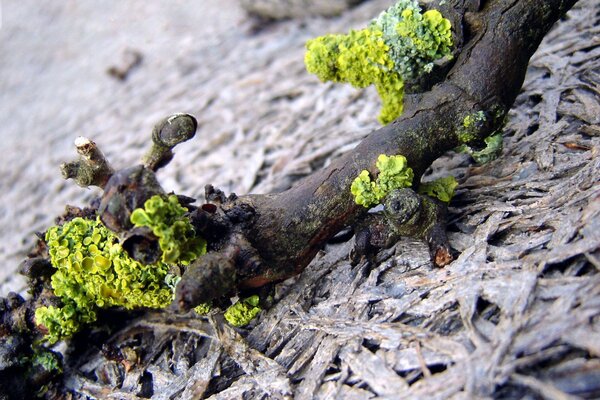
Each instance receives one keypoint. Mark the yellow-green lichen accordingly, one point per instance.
(442, 188)
(394, 173)
(203, 309)
(365, 191)
(401, 44)
(427, 37)
(177, 239)
(243, 311)
(361, 59)
(93, 271)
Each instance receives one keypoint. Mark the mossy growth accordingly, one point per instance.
(177, 239)
(394, 173)
(93, 271)
(491, 151)
(442, 188)
(401, 44)
(243, 311)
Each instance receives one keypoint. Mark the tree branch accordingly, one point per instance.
(496, 40)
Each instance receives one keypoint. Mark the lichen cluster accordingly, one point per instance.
(244, 311)
(415, 39)
(394, 173)
(165, 218)
(203, 309)
(400, 45)
(93, 271)
(441, 189)
(47, 359)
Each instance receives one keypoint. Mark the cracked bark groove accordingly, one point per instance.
(287, 229)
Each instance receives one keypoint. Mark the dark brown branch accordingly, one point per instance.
(406, 214)
(287, 229)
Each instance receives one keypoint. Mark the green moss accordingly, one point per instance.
(401, 44)
(93, 271)
(177, 238)
(442, 189)
(471, 125)
(244, 311)
(394, 173)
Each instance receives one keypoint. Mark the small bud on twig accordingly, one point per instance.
(167, 134)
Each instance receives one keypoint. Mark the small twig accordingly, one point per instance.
(91, 169)
(591, 257)
(131, 59)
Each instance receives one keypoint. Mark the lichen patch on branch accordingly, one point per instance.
(255, 234)
(93, 271)
(394, 173)
(177, 239)
(401, 45)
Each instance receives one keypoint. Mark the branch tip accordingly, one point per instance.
(91, 169)
(166, 134)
